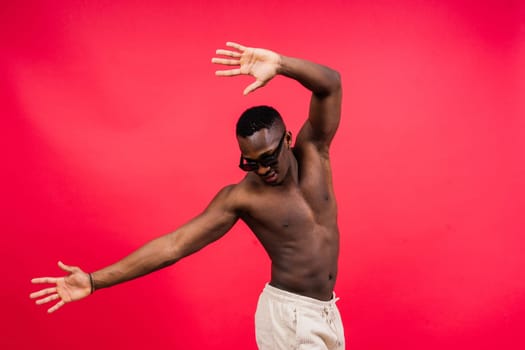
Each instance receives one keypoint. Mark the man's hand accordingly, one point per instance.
(260, 63)
(75, 286)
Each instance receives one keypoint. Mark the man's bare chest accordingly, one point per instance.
(290, 209)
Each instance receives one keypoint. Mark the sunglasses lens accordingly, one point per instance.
(248, 166)
(252, 166)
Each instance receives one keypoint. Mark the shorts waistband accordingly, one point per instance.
(285, 296)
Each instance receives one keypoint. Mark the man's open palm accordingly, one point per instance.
(72, 287)
(262, 64)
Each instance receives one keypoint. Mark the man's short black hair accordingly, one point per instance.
(257, 118)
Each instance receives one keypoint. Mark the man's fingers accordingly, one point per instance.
(67, 268)
(47, 299)
(253, 86)
(228, 73)
(56, 306)
(42, 292)
(236, 46)
(44, 280)
(226, 61)
(228, 53)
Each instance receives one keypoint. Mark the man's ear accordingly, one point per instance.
(289, 138)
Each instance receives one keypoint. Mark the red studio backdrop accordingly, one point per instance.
(115, 130)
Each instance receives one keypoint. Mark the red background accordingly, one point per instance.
(115, 130)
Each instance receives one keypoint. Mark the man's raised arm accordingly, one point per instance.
(325, 103)
(324, 82)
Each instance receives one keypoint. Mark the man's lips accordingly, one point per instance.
(271, 177)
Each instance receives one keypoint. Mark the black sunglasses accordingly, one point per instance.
(266, 161)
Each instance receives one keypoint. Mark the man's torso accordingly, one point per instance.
(297, 225)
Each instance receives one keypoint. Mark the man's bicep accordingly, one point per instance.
(213, 223)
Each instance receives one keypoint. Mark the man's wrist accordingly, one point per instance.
(280, 64)
(92, 283)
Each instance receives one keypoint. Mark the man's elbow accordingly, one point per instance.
(335, 81)
(331, 85)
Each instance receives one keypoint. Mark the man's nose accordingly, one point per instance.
(262, 170)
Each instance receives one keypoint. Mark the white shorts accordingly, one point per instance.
(288, 321)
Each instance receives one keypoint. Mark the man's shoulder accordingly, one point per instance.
(238, 192)
(246, 186)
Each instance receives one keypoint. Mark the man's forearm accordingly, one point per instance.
(152, 256)
(319, 79)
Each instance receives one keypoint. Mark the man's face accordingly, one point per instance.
(262, 153)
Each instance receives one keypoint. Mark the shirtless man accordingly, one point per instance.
(286, 198)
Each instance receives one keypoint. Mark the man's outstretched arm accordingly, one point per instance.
(323, 82)
(204, 229)
(166, 250)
